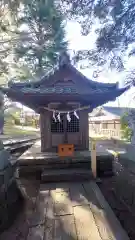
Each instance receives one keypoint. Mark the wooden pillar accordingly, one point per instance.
(45, 129)
(84, 130)
(65, 129)
(93, 158)
(87, 130)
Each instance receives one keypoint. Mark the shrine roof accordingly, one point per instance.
(60, 90)
(32, 99)
(56, 72)
(51, 90)
(66, 83)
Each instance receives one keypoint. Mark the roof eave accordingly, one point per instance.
(45, 79)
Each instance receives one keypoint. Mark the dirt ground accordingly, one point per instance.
(119, 191)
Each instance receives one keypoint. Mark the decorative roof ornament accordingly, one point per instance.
(68, 117)
(76, 115)
(59, 119)
(54, 117)
(64, 59)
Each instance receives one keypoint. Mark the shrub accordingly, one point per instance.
(126, 130)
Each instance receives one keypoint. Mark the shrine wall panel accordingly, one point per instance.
(45, 129)
(57, 138)
(84, 130)
(73, 138)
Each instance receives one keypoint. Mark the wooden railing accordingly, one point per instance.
(106, 132)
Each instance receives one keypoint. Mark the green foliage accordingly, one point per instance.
(31, 37)
(40, 43)
(114, 26)
(126, 130)
(43, 37)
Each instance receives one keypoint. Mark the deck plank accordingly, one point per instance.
(36, 233)
(112, 223)
(65, 228)
(62, 186)
(91, 196)
(102, 224)
(62, 202)
(38, 215)
(49, 221)
(34, 155)
(85, 223)
(67, 211)
(78, 195)
(99, 214)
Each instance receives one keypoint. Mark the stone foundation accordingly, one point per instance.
(10, 195)
(81, 161)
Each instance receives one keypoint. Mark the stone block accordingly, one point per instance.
(2, 197)
(1, 145)
(12, 194)
(10, 197)
(1, 179)
(5, 176)
(8, 175)
(3, 215)
(4, 159)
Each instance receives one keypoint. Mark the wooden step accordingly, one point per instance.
(68, 165)
(50, 175)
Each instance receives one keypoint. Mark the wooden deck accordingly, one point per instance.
(34, 162)
(66, 211)
(34, 153)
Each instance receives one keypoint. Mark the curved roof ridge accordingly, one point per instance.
(46, 77)
(101, 84)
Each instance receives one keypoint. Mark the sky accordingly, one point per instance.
(78, 42)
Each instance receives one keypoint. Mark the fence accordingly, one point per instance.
(106, 132)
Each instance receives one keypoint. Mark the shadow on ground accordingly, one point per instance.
(67, 211)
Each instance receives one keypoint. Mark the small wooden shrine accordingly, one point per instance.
(63, 99)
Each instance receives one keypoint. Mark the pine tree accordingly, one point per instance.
(115, 29)
(8, 37)
(42, 37)
(32, 35)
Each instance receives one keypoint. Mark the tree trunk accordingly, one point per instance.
(40, 67)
